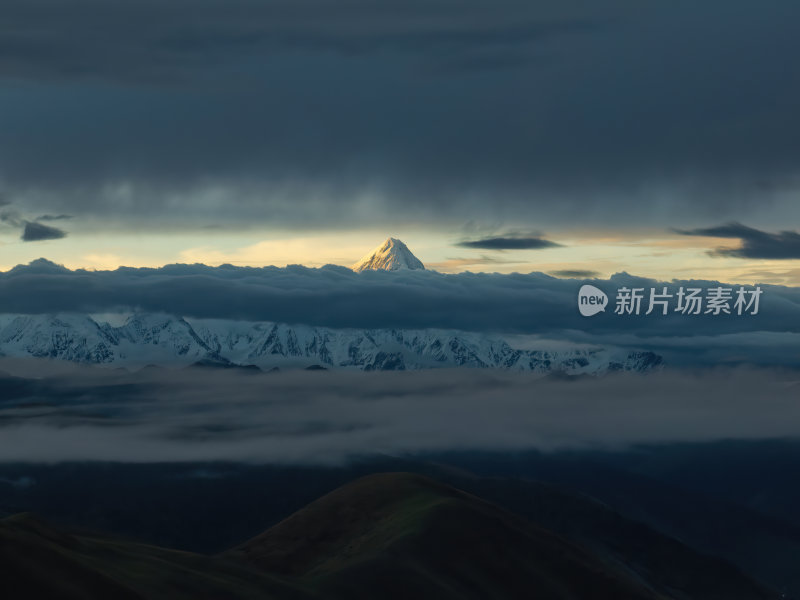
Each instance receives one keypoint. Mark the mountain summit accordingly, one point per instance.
(391, 255)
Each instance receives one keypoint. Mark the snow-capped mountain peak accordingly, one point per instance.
(165, 340)
(391, 255)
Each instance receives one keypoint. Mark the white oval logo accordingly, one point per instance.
(591, 300)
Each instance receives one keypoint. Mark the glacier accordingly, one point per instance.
(166, 340)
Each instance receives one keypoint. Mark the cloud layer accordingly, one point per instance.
(754, 243)
(158, 416)
(36, 232)
(295, 113)
(535, 305)
(575, 274)
(509, 243)
(333, 296)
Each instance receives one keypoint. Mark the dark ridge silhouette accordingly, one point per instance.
(401, 535)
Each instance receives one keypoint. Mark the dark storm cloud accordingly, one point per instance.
(337, 297)
(754, 243)
(36, 232)
(575, 274)
(33, 231)
(509, 243)
(11, 217)
(326, 114)
(151, 40)
(330, 417)
(53, 218)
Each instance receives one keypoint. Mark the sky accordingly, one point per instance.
(573, 138)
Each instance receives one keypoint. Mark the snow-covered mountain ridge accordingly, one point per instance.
(173, 341)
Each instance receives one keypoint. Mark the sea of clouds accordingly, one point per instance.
(159, 415)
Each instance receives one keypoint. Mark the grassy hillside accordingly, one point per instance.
(39, 561)
(406, 536)
(388, 535)
(667, 564)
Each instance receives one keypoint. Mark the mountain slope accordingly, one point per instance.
(39, 561)
(391, 255)
(765, 547)
(425, 529)
(668, 565)
(167, 340)
(398, 535)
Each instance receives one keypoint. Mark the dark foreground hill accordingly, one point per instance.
(390, 535)
(667, 564)
(38, 561)
(400, 535)
(406, 536)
